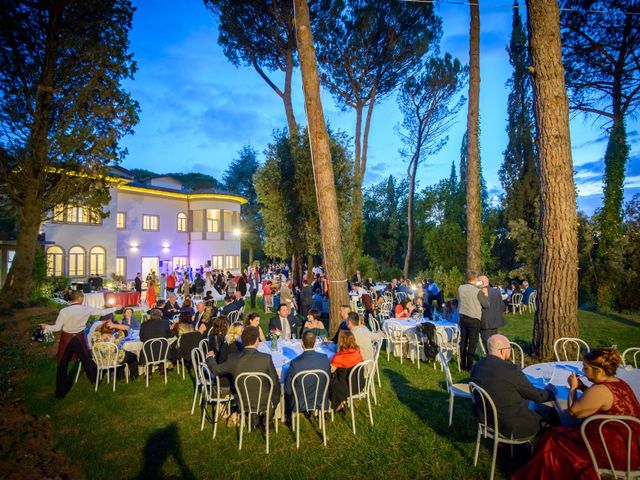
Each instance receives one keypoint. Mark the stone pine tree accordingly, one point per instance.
(238, 178)
(428, 101)
(322, 167)
(474, 211)
(62, 111)
(366, 48)
(260, 34)
(557, 313)
(602, 60)
(518, 171)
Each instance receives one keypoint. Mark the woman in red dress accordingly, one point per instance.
(151, 294)
(561, 452)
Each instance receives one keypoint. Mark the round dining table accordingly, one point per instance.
(556, 374)
(288, 350)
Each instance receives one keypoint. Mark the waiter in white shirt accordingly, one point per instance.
(71, 323)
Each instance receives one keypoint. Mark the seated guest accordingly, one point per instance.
(314, 324)
(347, 356)
(207, 320)
(187, 306)
(418, 307)
(344, 313)
(199, 315)
(368, 283)
(238, 299)
(250, 360)
(154, 327)
(229, 306)
(560, 452)
(284, 324)
(171, 308)
(510, 390)
(127, 323)
(316, 300)
(219, 329)
(105, 333)
(526, 293)
(364, 337)
(183, 325)
(253, 320)
(309, 359)
(404, 309)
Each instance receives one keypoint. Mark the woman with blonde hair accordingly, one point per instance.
(561, 452)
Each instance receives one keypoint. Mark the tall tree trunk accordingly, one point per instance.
(411, 173)
(322, 166)
(17, 286)
(557, 313)
(474, 220)
(286, 98)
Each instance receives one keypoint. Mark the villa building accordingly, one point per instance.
(153, 224)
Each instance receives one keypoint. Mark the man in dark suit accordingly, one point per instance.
(250, 360)
(509, 389)
(230, 305)
(155, 327)
(285, 324)
(306, 298)
(138, 282)
(171, 308)
(197, 318)
(309, 359)
(254, 286)
(492, 317)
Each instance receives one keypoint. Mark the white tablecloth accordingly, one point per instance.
(287, 351)
(557, 373)
(135, 346)
(95, 300)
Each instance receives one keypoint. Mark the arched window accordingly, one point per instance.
(77, 260)
(55, 261)
(97, 261)
(182, 222)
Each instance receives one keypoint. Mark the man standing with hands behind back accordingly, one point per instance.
(71, 322)
(472, 299)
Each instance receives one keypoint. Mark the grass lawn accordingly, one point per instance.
(149, 433)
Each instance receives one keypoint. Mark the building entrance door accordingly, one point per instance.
(148, 264)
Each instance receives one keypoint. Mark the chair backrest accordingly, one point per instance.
(393, 329)
(532, 298)
(210, 383)
(447, 373)
(623, 426)
(105, 354)
(635, 351)
(560, 347)
(515, 351)
(377, 347)
(383, 315)
(196, 359)
(516, 299)
(251, 399)
(233, 316)
(388, 296)
(400, 296)
(314, 391)
(485, 411)
(360, 378)
(374, 325)
(204, 346)
(155, 350)
(447, 337)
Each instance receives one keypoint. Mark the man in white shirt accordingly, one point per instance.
(71, 323)
(364, 336)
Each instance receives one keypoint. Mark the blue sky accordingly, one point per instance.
(198, 110)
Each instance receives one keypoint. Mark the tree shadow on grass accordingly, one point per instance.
(162, 444)
(620, 319)
(432, 407)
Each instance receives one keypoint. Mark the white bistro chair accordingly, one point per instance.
(251, 405)
(197, 357)
(105, 356)
(212, 393)
(396, 338)
(516, 303)
(624, 424)
(531, 303)
(635, 351)
(454, 389)
(448, 341)
(561, 344)
(360, 378)
(310, 382)
(488, 426)
(233, 316)
(155, 352)
(515, 351)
